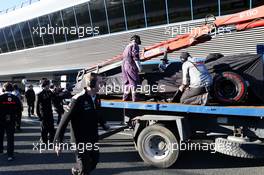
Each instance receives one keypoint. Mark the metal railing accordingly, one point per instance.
(19, 6)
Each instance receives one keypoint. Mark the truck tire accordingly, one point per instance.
(229, 87)
(245, 149)
(156, 145)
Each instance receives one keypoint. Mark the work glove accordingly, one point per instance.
(182, 87)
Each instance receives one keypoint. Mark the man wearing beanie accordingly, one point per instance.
(196, 80)
(131, 67)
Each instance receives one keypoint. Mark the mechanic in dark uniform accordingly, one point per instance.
(45, 113)
(58, 101)
(10, 105)
(17, 93)
(31, 97)
(84, 128)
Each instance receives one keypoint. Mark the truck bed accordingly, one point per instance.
(250, 111)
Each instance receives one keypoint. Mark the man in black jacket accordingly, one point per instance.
(84, 129)
(58, 102)
(45, 113)
(10, 105)
(31, 97)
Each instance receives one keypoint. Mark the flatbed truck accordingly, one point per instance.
(161, 128)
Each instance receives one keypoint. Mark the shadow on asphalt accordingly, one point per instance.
(37, 172)
(114, 171)
(117, 140)
(126, 153)
(188, 160)
(102, 171)
(28, 130)
(37, 159)
(51, 158)
(119, 145)
(207, 160)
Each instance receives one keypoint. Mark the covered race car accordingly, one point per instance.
(235, 77)
(238, 79)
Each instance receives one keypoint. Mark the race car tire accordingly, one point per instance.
(229, 87)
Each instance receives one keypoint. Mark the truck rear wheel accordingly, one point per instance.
(239, 147)
(158, 146)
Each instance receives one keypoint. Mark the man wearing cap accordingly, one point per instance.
(45, 113)
(196, 80)
(10, 105)
(131, 67)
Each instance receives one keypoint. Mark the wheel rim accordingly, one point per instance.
(156, 147)
(228, 89)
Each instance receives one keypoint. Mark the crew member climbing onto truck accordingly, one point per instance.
(196, 80)
(131, 67)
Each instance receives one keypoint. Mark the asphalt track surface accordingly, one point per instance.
(118, 157)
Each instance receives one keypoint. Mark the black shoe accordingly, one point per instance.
(10, 158)
(18, 129)
(75, 171)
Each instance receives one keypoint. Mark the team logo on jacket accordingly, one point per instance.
(9, 99)
(87, 105)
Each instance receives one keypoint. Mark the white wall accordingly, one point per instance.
(34, 10)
